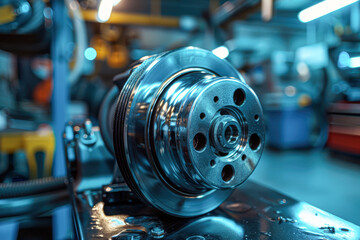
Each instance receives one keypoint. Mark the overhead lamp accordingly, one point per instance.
(354, 62)
(90, 53)
(221, 52)
(105, 9)
(345, 61)
(322, 8)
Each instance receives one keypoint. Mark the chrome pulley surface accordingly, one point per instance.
(187, 131)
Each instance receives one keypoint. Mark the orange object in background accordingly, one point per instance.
(101, 47)
(43, 91)
(118, 57)
(42, 68)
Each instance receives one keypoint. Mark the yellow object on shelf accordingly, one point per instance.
(42, 140)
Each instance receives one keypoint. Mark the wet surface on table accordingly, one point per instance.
(252, 212)
(329, 182)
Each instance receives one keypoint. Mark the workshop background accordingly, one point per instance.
(58, 59)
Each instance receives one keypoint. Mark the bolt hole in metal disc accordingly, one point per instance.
(239, 96)
(227, 173)
(254, 141)
(199, 141)
(183, 122)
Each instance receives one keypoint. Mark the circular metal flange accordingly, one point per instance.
(231, 153)
(187, 131)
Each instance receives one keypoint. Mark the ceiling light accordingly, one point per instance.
(322, 8)
(221, 52)
(354, 62)
(105, 9)
(90, 53)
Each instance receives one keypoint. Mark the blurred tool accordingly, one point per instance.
(267, 9)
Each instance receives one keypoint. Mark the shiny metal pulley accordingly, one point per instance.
(187, 130)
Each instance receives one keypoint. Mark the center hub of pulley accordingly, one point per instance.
(225, 133)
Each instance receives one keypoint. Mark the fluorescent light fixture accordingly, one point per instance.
(354, 62)
(105, 9)
(222, 52)
(343, 60)
(322, 8)
(90, 53)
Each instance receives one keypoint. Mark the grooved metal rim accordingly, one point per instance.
(119, 122)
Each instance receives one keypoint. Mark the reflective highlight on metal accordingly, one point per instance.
(187, 131)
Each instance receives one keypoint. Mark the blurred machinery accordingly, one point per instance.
(344, 128)
(344, 114)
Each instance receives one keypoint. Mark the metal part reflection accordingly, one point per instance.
(187, 131)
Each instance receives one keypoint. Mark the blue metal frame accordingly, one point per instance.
(62, 224)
